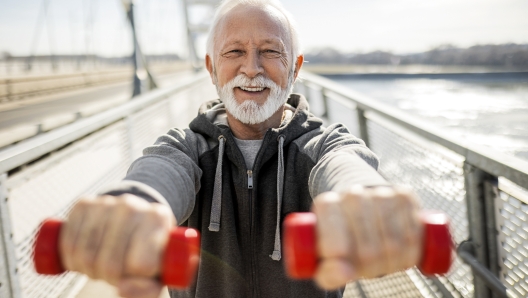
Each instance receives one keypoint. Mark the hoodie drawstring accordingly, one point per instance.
(216, 208)
(276, 255)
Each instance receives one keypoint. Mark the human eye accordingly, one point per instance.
(271, 53)
(233, 53)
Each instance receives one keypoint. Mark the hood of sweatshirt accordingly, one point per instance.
(212, 119)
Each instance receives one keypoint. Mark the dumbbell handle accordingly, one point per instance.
(178, 267)
(300, 253)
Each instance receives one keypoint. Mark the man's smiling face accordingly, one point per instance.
(252, 41)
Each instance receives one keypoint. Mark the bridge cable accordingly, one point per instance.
(36, 37)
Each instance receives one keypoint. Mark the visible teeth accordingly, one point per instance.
(255, 89)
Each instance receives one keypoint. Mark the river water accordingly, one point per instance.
(488, 109)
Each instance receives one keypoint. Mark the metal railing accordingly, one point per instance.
(481, 190)
(473, 185)
(21, 87)
(43, 176)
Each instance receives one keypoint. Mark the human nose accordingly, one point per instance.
(252, 66)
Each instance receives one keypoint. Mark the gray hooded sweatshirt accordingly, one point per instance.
(201, 174)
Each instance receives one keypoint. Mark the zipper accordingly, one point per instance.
(250, 196)
(250, 183)
(250, 180)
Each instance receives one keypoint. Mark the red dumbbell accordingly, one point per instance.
(300, 252)
(180, 259)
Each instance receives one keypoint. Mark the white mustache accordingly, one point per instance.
(259, 81)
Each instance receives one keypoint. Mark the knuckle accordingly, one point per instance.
(403, 190)
(383, 193)
(82, 204)
(352, 200)
(328, 198)
(353, 193)
(155, 217)
(124, 200)
(130, 200)
(124, 209)
(408, 197)
(145, 265)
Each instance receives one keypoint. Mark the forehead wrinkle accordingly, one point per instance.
(278, 24)
(273, 41)
(264, 42)
(269, 41)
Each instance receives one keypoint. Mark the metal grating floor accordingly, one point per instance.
(397, 285)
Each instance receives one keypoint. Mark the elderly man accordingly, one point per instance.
(245, 163)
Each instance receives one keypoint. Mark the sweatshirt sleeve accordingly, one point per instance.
(167, 173)
(342, 160)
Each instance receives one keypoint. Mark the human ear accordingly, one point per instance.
(210, 68)
(298, 64)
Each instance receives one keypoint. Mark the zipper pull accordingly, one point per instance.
(250, 179)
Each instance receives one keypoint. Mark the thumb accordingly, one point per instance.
(139, 287)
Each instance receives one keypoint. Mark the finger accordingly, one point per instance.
(332, 238)
(334, 273)
(91, 235)
(413, 227)
(363, 231)
(110, 259)
(139, 287)
(146, 247)
(69, 233)
(390, 220)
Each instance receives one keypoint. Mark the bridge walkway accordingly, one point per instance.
(483, 192)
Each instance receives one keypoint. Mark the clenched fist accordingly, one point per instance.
(365, 233)
(119, 240)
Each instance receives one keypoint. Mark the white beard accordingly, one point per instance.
(249, 112)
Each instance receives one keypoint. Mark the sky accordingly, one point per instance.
(399, 26)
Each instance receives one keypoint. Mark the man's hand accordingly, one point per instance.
(119, 240)
(365, 233)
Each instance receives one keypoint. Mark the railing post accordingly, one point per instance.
(481, 193)
(304, 91)
(129, 126)
(491, 195)
(325, 104)
(362, 125)
(9, 89)
(9, 283)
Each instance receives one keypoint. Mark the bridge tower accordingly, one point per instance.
(198, 15)
(143, 80)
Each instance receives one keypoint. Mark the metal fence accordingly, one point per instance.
(43, 176)
(483, 192)
(21, 86)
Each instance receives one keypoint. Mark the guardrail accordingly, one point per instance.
(13, 134)
(482, 190)
(17, 88)
(43, 176)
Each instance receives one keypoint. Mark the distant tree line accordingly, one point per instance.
(508, 55)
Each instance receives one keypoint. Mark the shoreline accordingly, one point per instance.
(412, 69)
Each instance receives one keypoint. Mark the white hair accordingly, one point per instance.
(227, 5)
